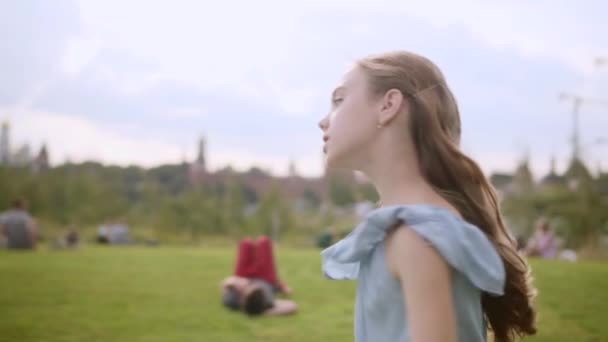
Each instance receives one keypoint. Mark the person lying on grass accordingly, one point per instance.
(254, 285)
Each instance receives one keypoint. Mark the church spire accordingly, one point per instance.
(552, 166)
(293, 172)
(201, 157)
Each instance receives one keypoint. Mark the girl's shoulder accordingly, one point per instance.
(462, 245)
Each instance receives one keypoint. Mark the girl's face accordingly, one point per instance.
(351, 124)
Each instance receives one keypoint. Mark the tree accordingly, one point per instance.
(341, 191)
(311, 198)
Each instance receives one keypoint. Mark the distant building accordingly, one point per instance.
(502, 183)
(523, 180)
(552, 180)
(293, 172)
(575, 178)
(22, 157)
(41, 163)
(198, 169)
(602, 183)
(520, 182)
(577, 175)
(257, 182)
(5, 146)
(201, 159)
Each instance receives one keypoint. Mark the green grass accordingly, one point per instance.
(172, 294)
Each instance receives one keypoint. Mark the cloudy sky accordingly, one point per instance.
(140, 81)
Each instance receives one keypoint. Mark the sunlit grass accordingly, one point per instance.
(172, 294)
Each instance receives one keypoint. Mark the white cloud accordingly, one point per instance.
(79, 52)
(78, 139)
(187, 113)
(565, 31)
(198, 45)
(263, 57)
(289, 100)
(130, 85)
(555, 31)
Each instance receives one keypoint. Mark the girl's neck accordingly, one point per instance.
(399, 181)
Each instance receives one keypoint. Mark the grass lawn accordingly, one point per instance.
(172, 294)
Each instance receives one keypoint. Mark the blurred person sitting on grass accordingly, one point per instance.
(543, 243)
(18, 227)
(103, 233)
(71, 240)
(254, 284)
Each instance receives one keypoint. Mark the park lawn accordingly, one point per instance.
(172, 294)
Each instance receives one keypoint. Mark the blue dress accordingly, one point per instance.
(379, 311)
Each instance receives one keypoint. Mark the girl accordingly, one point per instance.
(435, 262)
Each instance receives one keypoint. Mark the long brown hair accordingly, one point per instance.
(435, 130)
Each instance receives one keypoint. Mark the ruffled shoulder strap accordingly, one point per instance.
(462, 245)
